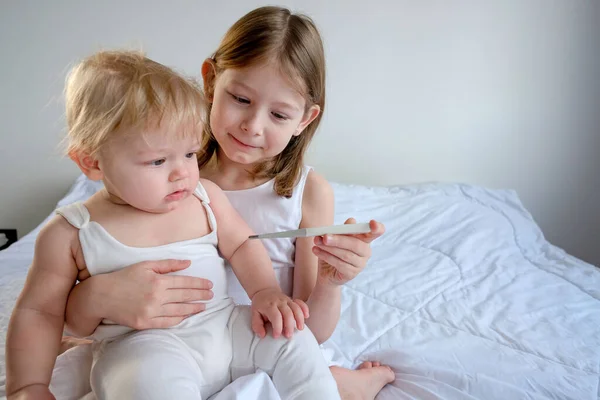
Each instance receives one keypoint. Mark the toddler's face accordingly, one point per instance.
(153, 170)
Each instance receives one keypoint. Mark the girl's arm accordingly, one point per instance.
(323, 299)
(323, 264)
(140, 296)
(36, 325)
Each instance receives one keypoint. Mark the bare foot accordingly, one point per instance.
(363, 383)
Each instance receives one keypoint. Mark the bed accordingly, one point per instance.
(463, 298)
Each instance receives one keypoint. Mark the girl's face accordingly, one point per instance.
(255, 113)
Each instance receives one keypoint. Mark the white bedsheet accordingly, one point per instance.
(463, 297)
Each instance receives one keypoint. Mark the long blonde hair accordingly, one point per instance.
(120, 91)
(292, 41)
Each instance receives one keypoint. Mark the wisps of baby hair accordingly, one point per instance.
(293, 43)
(118, 92)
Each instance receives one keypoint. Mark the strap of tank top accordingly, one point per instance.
(201, 194)
(303, 176)
(76, 214)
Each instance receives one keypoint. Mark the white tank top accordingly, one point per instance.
(103, 254)
(265, 212)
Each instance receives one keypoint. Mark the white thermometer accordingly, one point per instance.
(346, 229)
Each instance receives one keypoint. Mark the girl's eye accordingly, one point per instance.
(240, 99)
(157, 163)
(280, 116)
(190, 155)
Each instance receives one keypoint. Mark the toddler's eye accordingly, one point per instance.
(157, 163)
(190, 155)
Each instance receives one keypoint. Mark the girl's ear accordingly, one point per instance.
(309, 116)
(209, 77)
(88, 165)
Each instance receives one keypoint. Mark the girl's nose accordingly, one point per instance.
(252, 124)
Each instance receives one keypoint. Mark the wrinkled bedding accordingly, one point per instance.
(463, 298)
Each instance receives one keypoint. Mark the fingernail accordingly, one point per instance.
(319, 240)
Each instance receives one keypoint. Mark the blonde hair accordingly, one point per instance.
(120, 91)
(292, 41)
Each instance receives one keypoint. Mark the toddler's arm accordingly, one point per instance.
(35, 329)
(252, 266)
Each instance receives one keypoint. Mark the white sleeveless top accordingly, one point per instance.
(103, 254)
(265, 212)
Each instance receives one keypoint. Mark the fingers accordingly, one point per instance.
(345, 247)
(289, 319)
(187, 282)
(298, 315)
(83, 275)
(166, 266)
(303, 307)
(377, 229)
(340, 258)
(275, 318)
(343, 268)
(258, 324)
(187, 295)
(182, 309)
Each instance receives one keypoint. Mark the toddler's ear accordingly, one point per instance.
(87, 164)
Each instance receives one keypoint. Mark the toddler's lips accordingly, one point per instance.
(178, 195)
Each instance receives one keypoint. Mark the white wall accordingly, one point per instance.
(504, 94)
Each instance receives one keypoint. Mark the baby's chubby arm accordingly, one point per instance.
(35, 329)
(252, 266)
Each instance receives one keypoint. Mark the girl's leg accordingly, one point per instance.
(363, 383)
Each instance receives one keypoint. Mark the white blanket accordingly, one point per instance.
(463, 297)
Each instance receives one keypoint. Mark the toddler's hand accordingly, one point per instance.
(33, 392)
(284, 314)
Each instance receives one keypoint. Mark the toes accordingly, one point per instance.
(391, 375)
(376, 364)
(366, 364)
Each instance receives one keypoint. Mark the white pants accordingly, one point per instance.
(202, 355)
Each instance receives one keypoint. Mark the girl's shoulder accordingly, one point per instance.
(318, 195)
